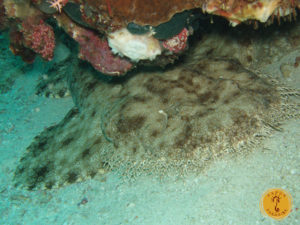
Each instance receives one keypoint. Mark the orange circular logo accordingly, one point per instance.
(276, 203)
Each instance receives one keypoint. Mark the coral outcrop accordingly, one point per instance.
(167, 22)
(39, 37)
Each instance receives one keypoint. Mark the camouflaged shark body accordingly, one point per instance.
(155, 123)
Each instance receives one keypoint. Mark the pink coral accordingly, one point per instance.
(94, 49)
(178, 42)
(97, 52)
(39, 37)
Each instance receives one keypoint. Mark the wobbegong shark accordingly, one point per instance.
(155, 122)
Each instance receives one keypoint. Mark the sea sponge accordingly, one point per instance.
(134, 46)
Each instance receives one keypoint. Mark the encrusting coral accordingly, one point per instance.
(39, 37)
(98, 20)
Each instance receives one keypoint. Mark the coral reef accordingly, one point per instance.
(39, 37)
(97, 52)
(239, 11)
(177, 43)
(98, 20)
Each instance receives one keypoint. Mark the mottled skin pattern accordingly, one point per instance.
(53, 84)
(155, 123)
